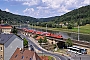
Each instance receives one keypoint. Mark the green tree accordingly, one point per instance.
(25, 42)
(68, 43)
(14, 30)
(40, 41)
(70, 26)
(45, 40)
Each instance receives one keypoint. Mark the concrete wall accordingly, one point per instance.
(11, 45)
(1, 51)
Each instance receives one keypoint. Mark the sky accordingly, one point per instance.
(41, 8)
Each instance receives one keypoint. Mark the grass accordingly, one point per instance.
(83, 29)
(50, 58)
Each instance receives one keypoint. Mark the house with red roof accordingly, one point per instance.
(39, 37)
(23, 54)
(5, 28)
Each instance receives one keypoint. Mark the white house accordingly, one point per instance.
(5, 28)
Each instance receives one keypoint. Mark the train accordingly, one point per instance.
(47, 34)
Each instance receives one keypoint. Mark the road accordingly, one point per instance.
(57, 56)
(79, 57)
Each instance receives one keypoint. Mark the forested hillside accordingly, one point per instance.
(82, 14)
(79, 16)
(10, 18)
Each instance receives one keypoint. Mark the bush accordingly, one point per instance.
(45, 40)
(25, 42)
(40, 41)
(70, 26)
(14, 30)
(68, 43)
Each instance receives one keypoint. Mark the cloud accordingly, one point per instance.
(63, 9)
(7, 10)
(28, 10)
(31, 2)
(15, 12)
(48, 8)
(53, 3)
(40, 12)
(87, 2)
(16, 0)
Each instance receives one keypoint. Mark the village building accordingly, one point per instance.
(8, 44)
(4, 28)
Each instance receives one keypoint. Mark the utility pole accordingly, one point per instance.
(78, 32)
(46, 27)
(32, 25)
(78, 26)
(20, 24)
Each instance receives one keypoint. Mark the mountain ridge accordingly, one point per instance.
(14, 18)
(81, 14)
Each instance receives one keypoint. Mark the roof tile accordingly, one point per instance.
(20, 54)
